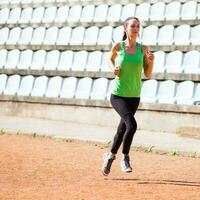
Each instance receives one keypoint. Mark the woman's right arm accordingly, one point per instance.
(111, 60)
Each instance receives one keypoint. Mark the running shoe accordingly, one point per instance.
(125, 164)
(107, 163)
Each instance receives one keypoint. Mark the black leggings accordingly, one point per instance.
(126, 108)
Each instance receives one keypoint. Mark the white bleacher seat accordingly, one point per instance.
(182, 35)
(77, 36)
(79, 61)
(74, 13)
(38, 36)
(14, 16)
(12, 59)
(13, 36)
(4, 14)
(26, 36)
(149, 91)
(184, 92)
(49, 15)
(3, 56)
(94, 61)
(188, 11)
(14, 2)
(173, 62)
(100, 13)
(90, 36)
(37, 15)
(51, 36)
(26, 86)
(110, 89)
(142, 11)
(68, 87)
(49, 2)
(62, 14)
(39, 87)
(4, 3)
(198, 11)
(128, 10)
(157, 12)
(87, 13)
(38, 59)
(195, 32)
(54, 86)
(65, 60)
(52, 59)
(99, 89)
(3, 80)
(159, 62)
(104, 62)
(37, 3)
(149, 35)
(26, 15)
(105, 35)
(191, 62)
(4, 32)
(165, 35)
(64, 35)
(26, 2)
(114, 13)
(25, 59)
(83, 88)
(12, 85)
(166, 92)
(172, 11)
(118, 33)
(197, 94)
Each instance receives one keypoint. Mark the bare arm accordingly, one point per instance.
(148, 62)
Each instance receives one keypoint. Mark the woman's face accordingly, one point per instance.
(132, 28)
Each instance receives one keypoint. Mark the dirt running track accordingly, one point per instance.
(39, 168)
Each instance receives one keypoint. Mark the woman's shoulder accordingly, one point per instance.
(116, 46)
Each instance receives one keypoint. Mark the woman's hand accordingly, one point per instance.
(149, 56)
(116, 71)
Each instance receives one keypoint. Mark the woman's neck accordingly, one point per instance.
(130, 42)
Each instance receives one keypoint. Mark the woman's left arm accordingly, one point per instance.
(148, 61)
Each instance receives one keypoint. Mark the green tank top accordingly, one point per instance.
(128, 83)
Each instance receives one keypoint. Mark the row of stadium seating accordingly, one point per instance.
(151, 35)
(170, 92)
(173, 62)
(90, 13)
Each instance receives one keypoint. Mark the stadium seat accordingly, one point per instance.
(172, 11)
(74, 14)
(149, 35)
(39, 86)
(104, 62)
(37, 15)
(68, 87)
(38, 59)
(157, 12)
(25, 59)
(54, 86)
(94, 61)
(118, 33)
(51, 36)
(3, 56)
(99, 89)
(12, 85)
(3, 80)
(65, 61)
(111, 85)
(142, 11)
(26, 36)
(26, 15)
(12, 59)
(64, 35)
(166, 92)
(149, 91)
(4, 32)
(83, 88)
(128, 10)
(182, 35)
(52, 59)
(188, 11)
(38, 2)
(79, 61)
(38, 36)
(196, 97)
(26, 86)
(198, 11)
(159, 62)
(191, 62)
(165, 35)
(61, 15)
(14, 16)
(90, 36)
(49, 15)
(100, 13)
(26, 2)
(184, 92)
(4, 3)
(4, 14)
(87, 13)
(173, 62)
(13, 36)
(114, 13)
(77, 36)
(195, 32)
(14, 2)
(105, 35)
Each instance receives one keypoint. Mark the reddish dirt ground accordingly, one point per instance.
(41, 168)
